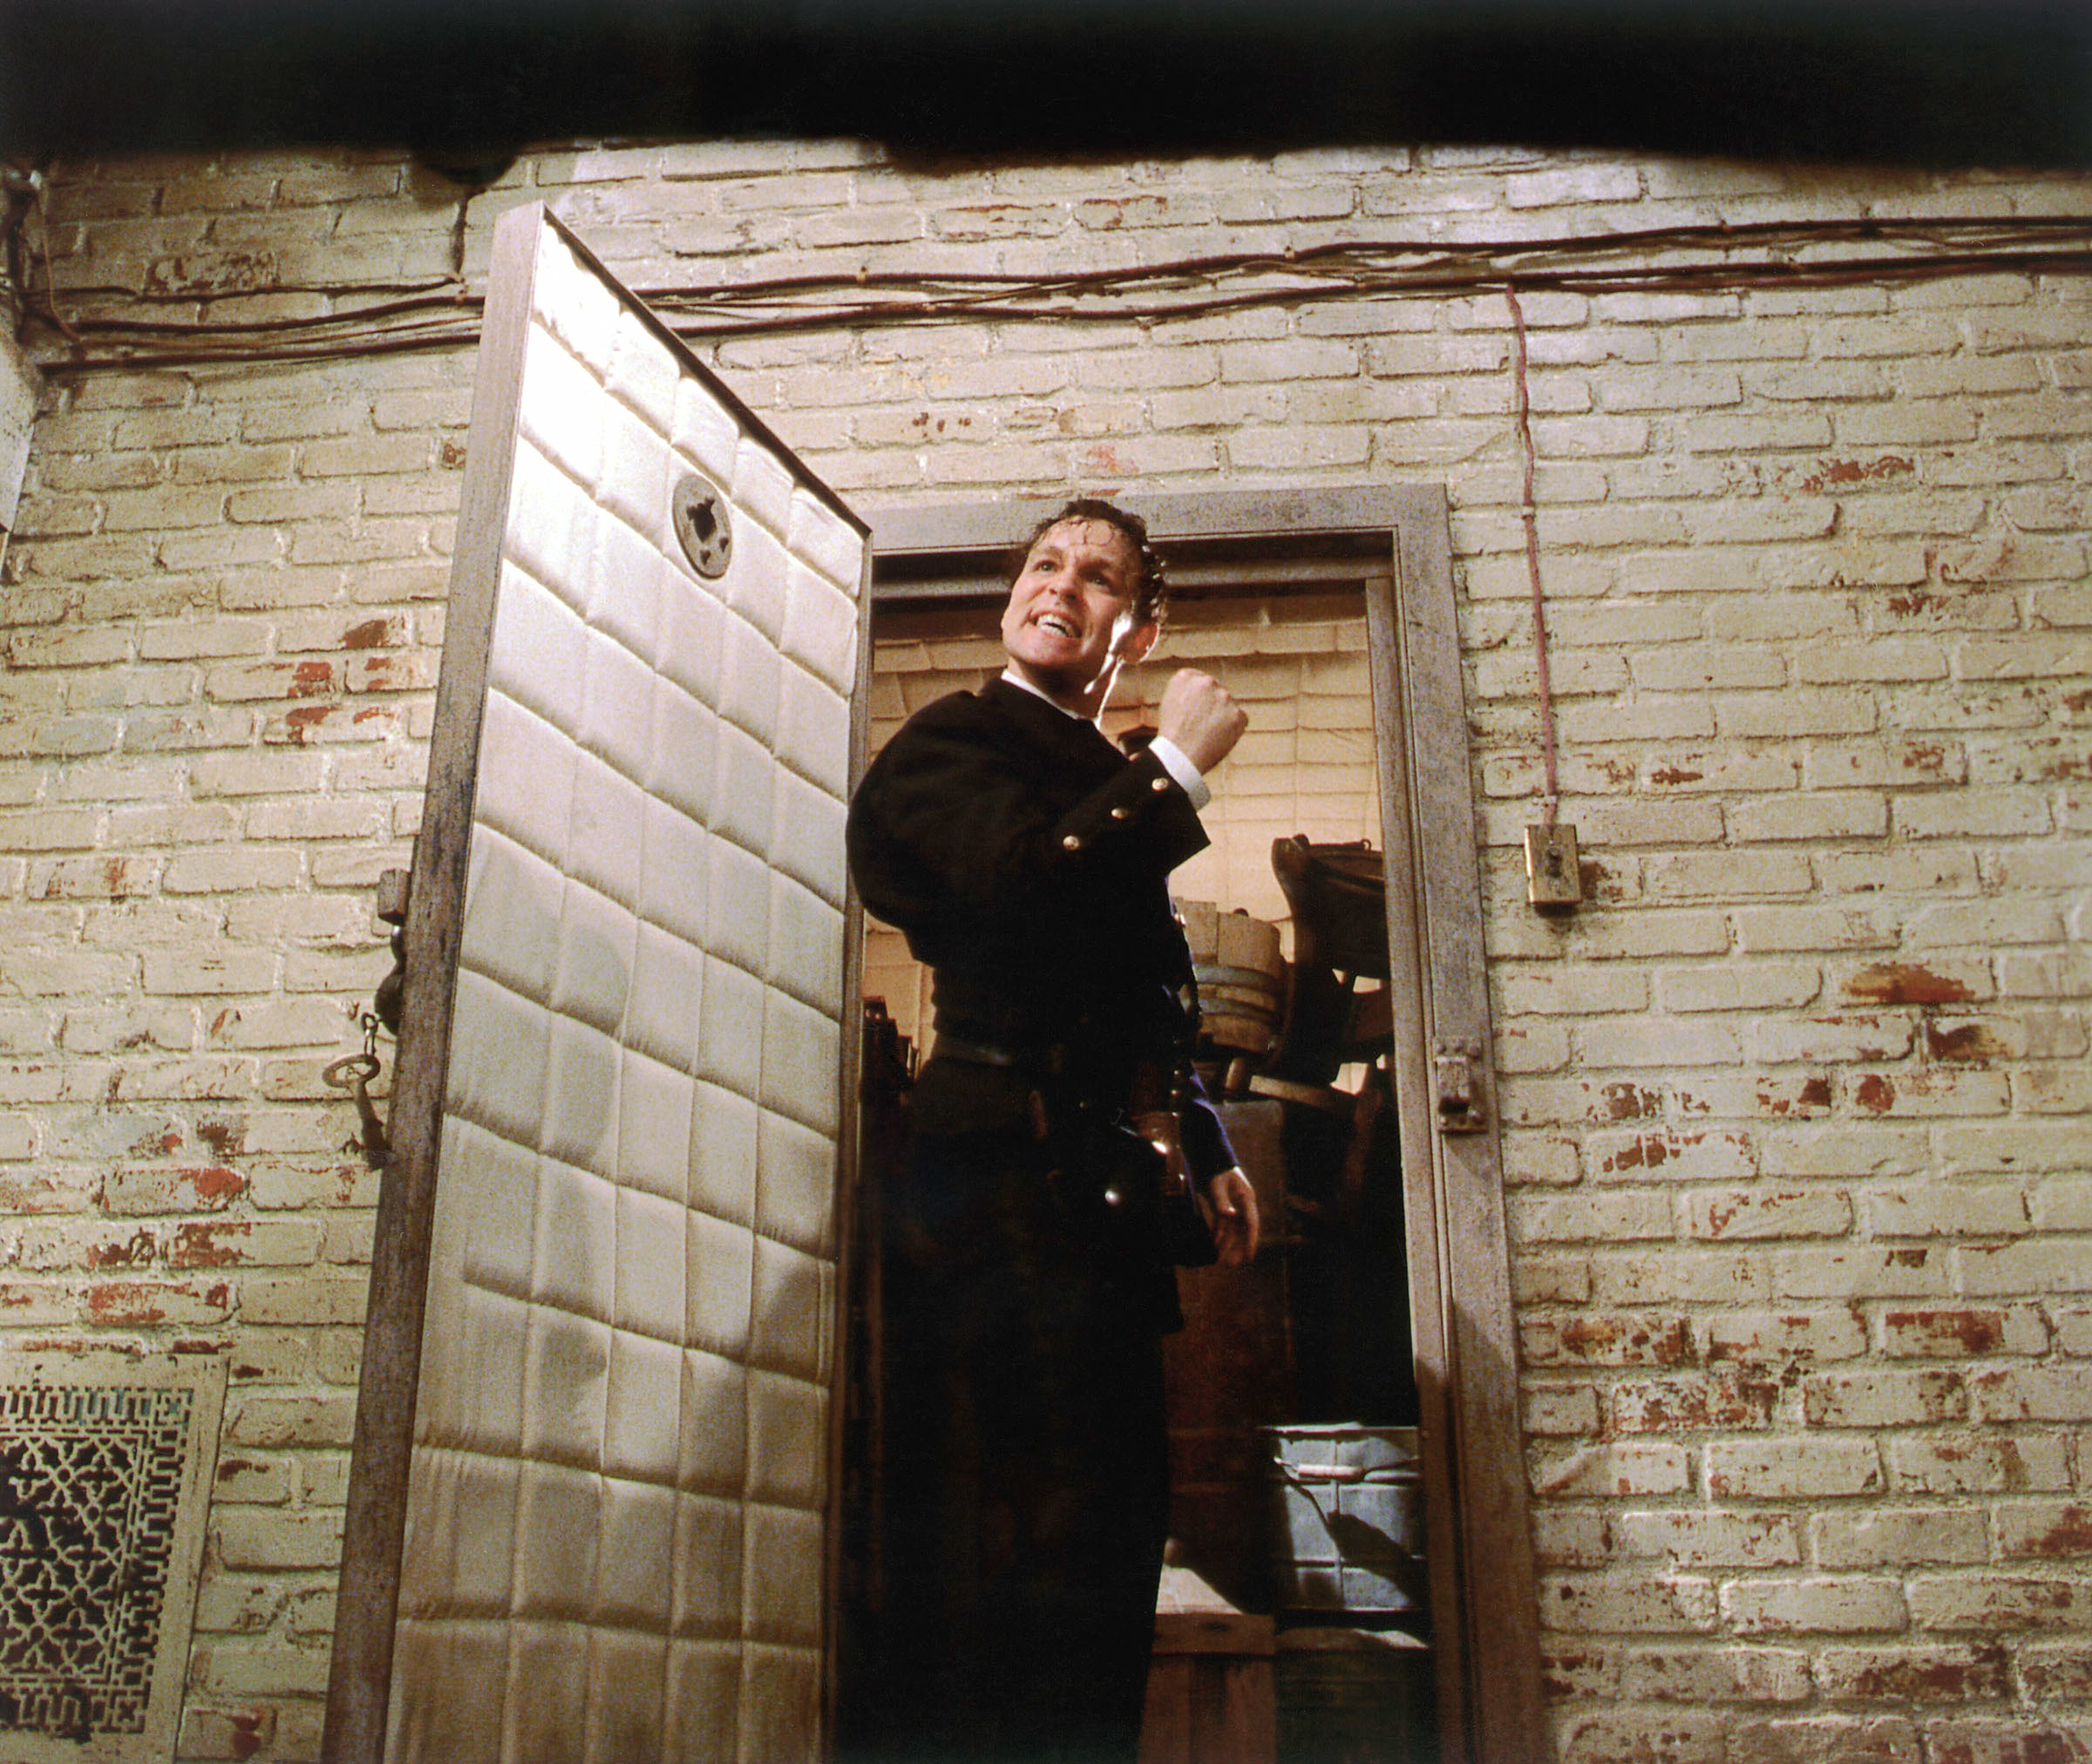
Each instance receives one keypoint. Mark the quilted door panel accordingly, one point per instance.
(616, 1506)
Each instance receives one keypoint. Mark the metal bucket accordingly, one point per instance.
(1346, 1521)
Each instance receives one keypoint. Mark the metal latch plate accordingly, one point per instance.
(1456, 1086)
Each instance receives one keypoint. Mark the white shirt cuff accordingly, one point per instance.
(1182, 769)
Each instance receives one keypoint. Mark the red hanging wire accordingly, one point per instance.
(50, 280)
(1533, 553)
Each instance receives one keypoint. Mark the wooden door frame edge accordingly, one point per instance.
(359, 1680)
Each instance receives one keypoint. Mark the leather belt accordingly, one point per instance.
(1042, 1059)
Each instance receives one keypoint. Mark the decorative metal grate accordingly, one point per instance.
(102, 1486)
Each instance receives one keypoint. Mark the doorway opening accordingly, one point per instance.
(1342, 1336)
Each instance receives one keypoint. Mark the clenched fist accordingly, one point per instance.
(1199, 716)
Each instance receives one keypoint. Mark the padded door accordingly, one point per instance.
(616, 1508)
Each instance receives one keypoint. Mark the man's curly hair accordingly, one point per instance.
(1152, 593)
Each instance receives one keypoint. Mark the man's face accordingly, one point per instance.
(1070, 621)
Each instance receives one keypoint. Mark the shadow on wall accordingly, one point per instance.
(1958, 82)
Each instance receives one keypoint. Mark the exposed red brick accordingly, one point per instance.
(233, 1734)
(127, 1304)
(40, 1191)
(1692, 1403)
(140, 1248)
(2047, 1746)
(1983, 1674)
(227, 1139)
(1906, 983)
(229, 272)
(1875, 1094)
(1640, 1738)
(1629, 1103)
(1647, 1152)
(1649, 1341)
(2071, 1535)
(1979, 562)
(2060, 770)
(2064, 1677)
(1783, 1095)
(368, 635)
(1674, 775)
(197, 1246)
(1974, 1043)
(310, 677)
(198, 1188)
(301, 717)
(252, 1729)
(113, 878)
(1949, 1331)
(215, 1185)
(1837, 472)
(1783, 1359)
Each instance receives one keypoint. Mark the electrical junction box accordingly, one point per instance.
(1554, 882)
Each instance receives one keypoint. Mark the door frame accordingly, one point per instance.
(1394, 544)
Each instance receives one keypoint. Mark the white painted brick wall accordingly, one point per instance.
(1796, 1136)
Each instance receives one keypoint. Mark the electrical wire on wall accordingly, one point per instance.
(106, 327)
(1553, 881)
(1530, 509)
(112, 329)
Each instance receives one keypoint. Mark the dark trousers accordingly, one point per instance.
(1026, 1478)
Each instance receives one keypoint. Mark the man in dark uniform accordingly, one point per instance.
(1027, 1288)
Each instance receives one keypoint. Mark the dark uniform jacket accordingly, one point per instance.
(1027, 860)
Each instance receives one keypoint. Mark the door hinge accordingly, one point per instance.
(393, 887)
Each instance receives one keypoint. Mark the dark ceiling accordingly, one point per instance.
(2004, 82)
